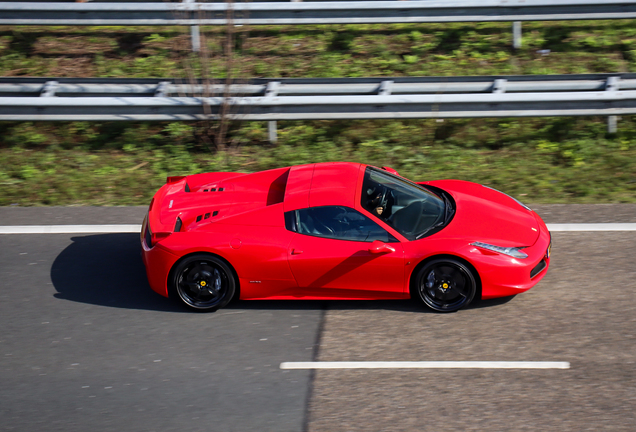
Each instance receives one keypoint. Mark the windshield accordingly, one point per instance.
(410, 209)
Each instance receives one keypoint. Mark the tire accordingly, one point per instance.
(204, 282)
(445, 285)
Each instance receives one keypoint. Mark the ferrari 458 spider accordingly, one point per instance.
(339, 231)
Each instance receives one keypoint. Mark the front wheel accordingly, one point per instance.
(204, 282)
(445, 285)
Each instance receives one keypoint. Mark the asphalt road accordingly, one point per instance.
(87, 345)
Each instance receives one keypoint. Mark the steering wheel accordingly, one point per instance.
(384, 201)
(325, 229)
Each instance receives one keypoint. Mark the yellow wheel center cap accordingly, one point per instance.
(445, 285)
(203, 283)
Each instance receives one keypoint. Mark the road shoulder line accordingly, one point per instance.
(135, 228)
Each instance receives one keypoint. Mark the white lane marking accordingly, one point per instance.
(121, 228)
(69, 229)
(592, 227)
(426, 365)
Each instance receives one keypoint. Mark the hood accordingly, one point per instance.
(487, 215)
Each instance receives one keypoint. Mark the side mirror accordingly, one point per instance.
(378, 247)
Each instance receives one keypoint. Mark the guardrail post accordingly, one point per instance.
(612, 85)
(272, 127)
(196, 39)
(272, 132)
(194, 32)
(612, 124)
(516, 34)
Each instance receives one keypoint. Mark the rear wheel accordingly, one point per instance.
(204, 282)
(445, 285)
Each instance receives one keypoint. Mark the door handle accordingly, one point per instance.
(296, 252)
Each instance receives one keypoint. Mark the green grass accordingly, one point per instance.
(326, 51)
(105, 164)
(536, 160)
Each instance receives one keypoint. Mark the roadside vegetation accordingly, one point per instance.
(536, 160)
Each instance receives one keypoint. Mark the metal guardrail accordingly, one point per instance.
(352, 12)
(194, 14)
(320, 107)
(125, 87)
(37, 99)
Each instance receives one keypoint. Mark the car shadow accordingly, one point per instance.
(408, 305)
(107, 270)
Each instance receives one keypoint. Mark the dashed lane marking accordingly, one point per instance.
(426, 365)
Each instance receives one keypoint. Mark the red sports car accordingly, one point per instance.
(339, 231)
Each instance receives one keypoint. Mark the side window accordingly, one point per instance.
(336, 222)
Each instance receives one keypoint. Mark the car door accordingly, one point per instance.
(337, 252)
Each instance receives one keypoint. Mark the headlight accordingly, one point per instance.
(514, 252)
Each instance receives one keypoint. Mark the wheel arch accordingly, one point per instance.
(172, 290)
(464, 261)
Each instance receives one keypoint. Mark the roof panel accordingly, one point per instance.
(334, 183)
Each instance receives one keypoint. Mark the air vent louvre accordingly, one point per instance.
(538, 268)
(199, 218)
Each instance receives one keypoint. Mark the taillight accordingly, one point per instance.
(151, 238)
(148, 235)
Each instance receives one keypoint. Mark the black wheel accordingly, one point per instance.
(204, 282)
(445, 285)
